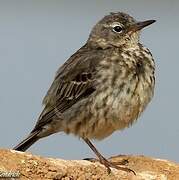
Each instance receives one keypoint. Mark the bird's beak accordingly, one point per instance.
(140, 25)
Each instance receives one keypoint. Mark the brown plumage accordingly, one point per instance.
(102, 88)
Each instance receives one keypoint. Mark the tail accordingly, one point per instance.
(26, 143)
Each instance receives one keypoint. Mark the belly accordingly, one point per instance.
(117, 114)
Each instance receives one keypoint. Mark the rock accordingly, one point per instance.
(27, 166)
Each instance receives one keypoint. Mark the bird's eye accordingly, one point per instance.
(117, 29)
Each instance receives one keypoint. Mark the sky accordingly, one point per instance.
(37, 36)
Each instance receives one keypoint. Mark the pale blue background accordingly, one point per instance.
(36, 36)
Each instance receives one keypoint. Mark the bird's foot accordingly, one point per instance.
(109, 165)
(123, 162)
(91, 159)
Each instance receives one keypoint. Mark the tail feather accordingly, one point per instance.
(26, 143)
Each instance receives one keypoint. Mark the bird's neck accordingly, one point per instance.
(101, 44)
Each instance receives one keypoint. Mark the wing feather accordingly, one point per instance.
(74, 81)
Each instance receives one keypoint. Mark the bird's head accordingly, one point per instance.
(117, 29)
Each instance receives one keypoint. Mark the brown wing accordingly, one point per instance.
(74, 81)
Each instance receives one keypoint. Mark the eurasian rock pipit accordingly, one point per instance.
(101, 88)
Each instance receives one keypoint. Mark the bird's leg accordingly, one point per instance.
(104, 161)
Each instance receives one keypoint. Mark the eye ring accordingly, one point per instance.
(117, 28)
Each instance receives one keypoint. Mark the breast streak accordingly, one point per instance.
(121, 101)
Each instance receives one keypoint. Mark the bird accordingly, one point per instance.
(103, 87)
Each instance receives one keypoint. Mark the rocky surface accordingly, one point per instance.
(14, 164)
